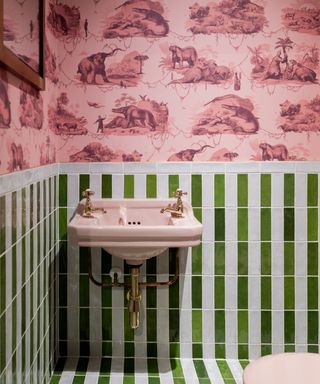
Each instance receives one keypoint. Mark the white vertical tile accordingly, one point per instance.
(231, 224)
(9, 322)
(207, 259)
(231, 331)
(140, 335)
(207, 190)
(207, 328)
(95, 184)
(140, 371)
(277, 224)
(253, 190)
(254, 292)
(213, 371)
(277, 293)
(73, 190)
(301, 326)
(185, 326)
(116, 374)
(207, 222)
(8, 262)
(231, 258)
(277, 331)
(231, 199)
(300, 187)
(253, 224)
(277, 264)
(165, 371)
(19, 213)
(189, 371)
(208, 293)
(254, 327)
(163, 327)
(117, 186)
(277, 187)
(8, 202)
(231, 290)
(162, 186)
(95, 318)
(185, 185)
(185, 292)
(300, 224)
(300, 267)
(254, 259)
(139, 186)
(300, 293)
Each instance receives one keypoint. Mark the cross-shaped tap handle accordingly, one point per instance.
(87, 193)
(179, 192)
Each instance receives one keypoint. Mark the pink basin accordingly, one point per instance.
(284, 368)
(134, 229)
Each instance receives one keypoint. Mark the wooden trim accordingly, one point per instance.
(16, 66)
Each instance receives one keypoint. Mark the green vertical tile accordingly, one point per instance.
(219, 227)
(312, 194)
(288, 196)
(196, 191)
(63, 190)
(63, 223)
(242, 190)
(289, 292)
(13, 217)
(38, 201)
(242, 292)
(243, 326)
(265, 258)
(265, 190)
(242, 224)
(265, 292)
(219, 292)
(266, 327)
(151, 325)
(14, 271)
(225, 372)
(63, 281)
(288, 258)
(176, 368)
(106, 187)
(219, 325)
(173, 184)
(265, 224)
(219, 259)
(31, 205)
(242, 258)
(312, 224)
(312, 259)
(84, 324)
(84, 183)
(129, 186)
(313, 327)
(3, 333)
(174, 325)
(219, 190)
(151, 186)
(289, 327)
(197, 259)
(196, 292)
(288, 224)
(106, 324)
(312, 292)
(84, 291)
(23, 211)
(2, 284)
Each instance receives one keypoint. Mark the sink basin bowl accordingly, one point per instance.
(134, 229)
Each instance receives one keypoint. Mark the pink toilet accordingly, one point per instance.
(284, 368)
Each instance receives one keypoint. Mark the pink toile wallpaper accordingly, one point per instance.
(144, 80)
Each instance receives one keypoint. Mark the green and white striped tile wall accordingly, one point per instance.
(28, 239)
(251, 287)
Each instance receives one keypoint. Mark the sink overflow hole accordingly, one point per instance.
(134, 222)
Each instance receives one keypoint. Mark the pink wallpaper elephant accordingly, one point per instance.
(145, 80)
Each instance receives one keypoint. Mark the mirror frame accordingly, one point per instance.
(12, 63)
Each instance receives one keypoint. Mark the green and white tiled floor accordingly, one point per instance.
(147, 371)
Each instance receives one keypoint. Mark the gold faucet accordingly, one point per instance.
(88, 208)
(176, 209)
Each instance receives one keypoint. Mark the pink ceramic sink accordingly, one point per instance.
(134, 229)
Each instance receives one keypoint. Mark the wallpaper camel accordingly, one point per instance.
(145, 80)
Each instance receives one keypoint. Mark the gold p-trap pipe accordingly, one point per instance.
(134, 298)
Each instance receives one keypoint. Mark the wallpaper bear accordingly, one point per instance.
(145, 80)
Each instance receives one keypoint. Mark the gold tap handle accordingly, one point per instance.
(87, 193)
(179, 192)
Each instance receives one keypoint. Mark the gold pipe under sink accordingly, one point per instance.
(134, 298)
